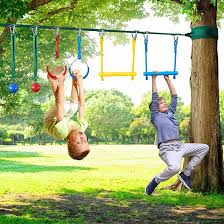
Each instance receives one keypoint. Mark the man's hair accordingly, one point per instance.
(150, 104)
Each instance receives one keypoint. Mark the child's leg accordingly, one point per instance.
(58, 90)
(173, 160)
(51, 113)
(54, 86)
(197, 152)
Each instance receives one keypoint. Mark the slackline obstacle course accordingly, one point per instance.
(196, 33)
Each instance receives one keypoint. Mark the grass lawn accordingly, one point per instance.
(42, 184)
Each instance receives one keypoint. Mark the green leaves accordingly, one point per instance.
(13, 10)
(107, 112)
(173, 9)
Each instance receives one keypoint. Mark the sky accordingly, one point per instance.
(119, 57)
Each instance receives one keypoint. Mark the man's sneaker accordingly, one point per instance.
(151, 187)
(185, 180)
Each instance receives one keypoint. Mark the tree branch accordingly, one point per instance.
(36, 3)
(55, 12)
(59, 10)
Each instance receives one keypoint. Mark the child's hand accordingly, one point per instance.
(59, 70)
(79, 78)
(59, 73)
(154, 77)
(76, 73)
(166, 77)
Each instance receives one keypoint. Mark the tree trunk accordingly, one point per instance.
(205, 119)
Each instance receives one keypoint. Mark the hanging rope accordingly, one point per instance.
(57, 46)
(79, 45)
(133, 52)
(146, 51)
(57, 43)
(13, 51)
(175, 53)
(35, 52)
(101, 51)
(13, 87)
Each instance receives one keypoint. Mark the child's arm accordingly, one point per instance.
(170, 85)
(173, 103)
(154, 87)
(60, 101)
(154, 103)
(81, 97)
(74, 93)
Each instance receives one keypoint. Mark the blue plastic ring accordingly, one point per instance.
(70, 71)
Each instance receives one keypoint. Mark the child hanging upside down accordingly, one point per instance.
(171, 150)
(57, 120)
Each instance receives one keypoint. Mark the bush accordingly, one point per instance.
(7, 141)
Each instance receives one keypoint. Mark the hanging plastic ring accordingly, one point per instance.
(73, 66)
(53, 76)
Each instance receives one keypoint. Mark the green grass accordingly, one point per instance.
(43, 185)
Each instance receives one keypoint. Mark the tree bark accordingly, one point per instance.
(205, 118)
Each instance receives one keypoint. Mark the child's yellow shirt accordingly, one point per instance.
(61, 129)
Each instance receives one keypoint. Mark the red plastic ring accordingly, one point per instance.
(53, 76)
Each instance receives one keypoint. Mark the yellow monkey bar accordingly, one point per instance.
(102, 74)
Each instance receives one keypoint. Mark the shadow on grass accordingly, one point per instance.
(14, 166)
(17, 154)
(98, 206)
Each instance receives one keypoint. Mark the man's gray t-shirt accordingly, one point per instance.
(165, 123)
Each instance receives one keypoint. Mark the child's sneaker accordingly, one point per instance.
(185, 180)
(151, 187)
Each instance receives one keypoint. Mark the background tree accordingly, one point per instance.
(107, 112)
(221, 104)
